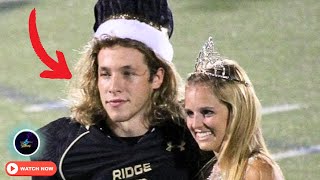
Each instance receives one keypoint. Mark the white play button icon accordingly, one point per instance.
(12, 168)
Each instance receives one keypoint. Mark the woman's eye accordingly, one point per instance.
(189, 113)
(207, 113)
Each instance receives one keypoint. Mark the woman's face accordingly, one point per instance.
(206, 117)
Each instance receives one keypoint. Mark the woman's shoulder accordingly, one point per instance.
(261, 167)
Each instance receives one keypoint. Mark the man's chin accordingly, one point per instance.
(118, 120)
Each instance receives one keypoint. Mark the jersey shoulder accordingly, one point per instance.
(55, 137)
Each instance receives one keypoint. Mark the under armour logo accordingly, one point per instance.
(171, 146)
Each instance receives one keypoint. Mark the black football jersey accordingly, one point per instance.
(165, 152)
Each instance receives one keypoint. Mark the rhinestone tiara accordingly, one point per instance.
(211, 63)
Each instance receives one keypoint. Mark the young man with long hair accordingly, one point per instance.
(125, 120)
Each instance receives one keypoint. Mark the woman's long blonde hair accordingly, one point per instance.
(243, 136)
(86, 106)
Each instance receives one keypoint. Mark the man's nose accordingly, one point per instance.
(115, 84)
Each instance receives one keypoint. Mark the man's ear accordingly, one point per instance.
(158, 78)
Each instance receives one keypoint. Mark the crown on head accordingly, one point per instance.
(147, 21)
(211, 63)
(155, 13)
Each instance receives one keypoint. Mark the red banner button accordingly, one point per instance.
(31, 168)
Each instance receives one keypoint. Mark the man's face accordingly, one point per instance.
(123, 82)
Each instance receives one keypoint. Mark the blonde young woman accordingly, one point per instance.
(223, 115)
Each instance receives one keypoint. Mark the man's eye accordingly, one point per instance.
(128, 73)
(104, 74)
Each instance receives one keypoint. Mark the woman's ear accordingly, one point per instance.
(158, 78)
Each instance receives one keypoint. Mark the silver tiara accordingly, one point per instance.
(211, 63)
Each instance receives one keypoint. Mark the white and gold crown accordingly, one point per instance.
(211, 63)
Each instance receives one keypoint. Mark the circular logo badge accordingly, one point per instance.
(26, 142)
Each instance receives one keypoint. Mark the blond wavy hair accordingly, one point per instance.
(86, 107)
(243, 138)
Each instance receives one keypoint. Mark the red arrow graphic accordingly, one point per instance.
(60, 69)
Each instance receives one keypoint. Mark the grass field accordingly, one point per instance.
(277, 42)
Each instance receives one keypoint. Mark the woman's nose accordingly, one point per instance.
(197, 121)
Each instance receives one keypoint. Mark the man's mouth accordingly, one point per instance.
(116, 102)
